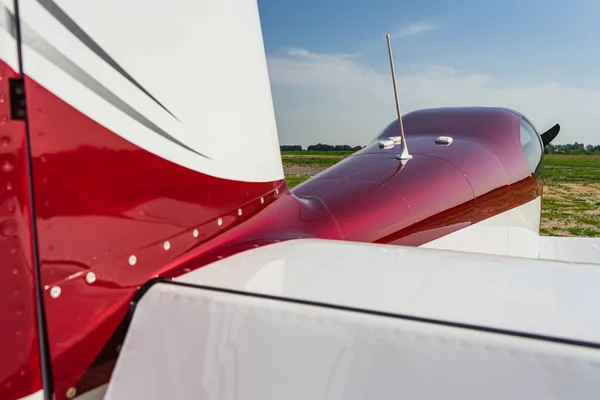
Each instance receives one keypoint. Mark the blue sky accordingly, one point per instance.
(330, 74)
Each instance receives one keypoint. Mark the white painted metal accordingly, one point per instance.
(187, 343)
(8, 45)
(94, 394)
(39, 395)
(204, 60)
(404, 154)
(387, 143)
(574, 249)
(445, 140)
(514, 232)
(524, 229)
(543, 297)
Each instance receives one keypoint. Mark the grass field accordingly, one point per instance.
(570, 205)
(571, 202)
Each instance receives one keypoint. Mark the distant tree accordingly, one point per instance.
(328, 147)
(572, 148)
(288, 147)
(569, 148)
(321, 147)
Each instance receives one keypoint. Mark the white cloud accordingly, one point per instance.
(339, 100)
(414, 29)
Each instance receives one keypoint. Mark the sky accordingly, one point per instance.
(331, 82)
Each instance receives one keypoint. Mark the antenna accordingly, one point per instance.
(404, 155)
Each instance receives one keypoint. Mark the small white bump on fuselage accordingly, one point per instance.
(90, 277)
(55, 292)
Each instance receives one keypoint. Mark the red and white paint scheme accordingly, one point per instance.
(150, 248)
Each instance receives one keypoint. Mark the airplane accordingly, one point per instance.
(150, 247)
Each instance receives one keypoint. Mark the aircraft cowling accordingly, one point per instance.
(376, 198)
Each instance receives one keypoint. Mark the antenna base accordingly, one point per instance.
(404, 155)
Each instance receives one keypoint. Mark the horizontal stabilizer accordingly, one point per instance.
(550, 134)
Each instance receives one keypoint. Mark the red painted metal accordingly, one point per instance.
(101, 199)
(376, 198)
(19, 355)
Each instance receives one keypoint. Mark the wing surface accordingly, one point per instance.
(573, 249)
(325, 319)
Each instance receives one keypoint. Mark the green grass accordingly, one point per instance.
(546, 232)
(572, 174)
(549, 214)
(321, 161)
(570, 205)
(589, 221)
(572, 160)
(583, 231)
(566, 203)
(316, 153)
(295, 180)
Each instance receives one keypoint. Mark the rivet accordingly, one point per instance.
(219, 222)
(5, 141)
(239, 211)
(276, 191)
(71, 392)
(55, 292)
(132, 260)
(90, 277)
(195, 233)
(167, 245)
(43, 159)
(9, 228)
(262, 200)
(8, 186)
(7, 166)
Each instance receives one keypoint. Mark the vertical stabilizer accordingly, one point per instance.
(185, 80)
(153, 142)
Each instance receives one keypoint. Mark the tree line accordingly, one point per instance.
(320, 147)
(572, 148)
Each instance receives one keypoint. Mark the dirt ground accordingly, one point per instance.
(571, 209)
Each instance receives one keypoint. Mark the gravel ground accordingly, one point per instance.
(295, 170)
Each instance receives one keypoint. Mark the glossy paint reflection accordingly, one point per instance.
(376, 198)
